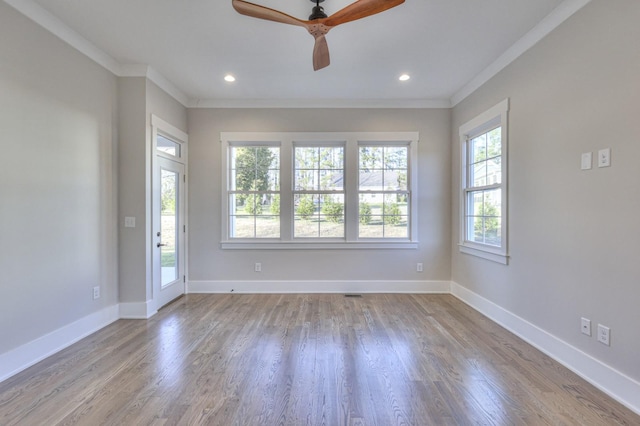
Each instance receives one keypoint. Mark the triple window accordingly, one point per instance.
(301, 189)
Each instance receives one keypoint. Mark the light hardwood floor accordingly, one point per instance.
(305, 360)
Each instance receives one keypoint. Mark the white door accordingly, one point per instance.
(168, 243)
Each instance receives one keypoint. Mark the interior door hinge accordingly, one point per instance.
(184, 228)
(184, 178)
(184, 279)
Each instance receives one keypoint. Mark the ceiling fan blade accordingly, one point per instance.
(261, 12)
(360, 9)
(320, 53)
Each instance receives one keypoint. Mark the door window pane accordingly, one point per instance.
(168, 227)
(167, 146)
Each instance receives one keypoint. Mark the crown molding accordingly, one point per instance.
(133, 70)
(166, 85)
(55, 26)
(319, 103)
(560, 14)
(46, 20)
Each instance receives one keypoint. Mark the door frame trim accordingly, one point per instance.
(162, 127)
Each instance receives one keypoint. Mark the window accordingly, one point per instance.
(319, 190)
(483, 218)
(383, 191)
(167, 146)
(254, 196)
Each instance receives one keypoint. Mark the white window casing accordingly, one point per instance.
(484, 180)
(350, 142)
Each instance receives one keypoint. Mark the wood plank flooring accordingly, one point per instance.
(305, 359)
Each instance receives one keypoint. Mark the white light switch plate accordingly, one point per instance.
(129, 222)
(585, 161)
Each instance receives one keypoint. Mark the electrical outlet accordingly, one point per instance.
(258, 267)
(585, 326)
(603, 334)
(419, 267)
(96, 292)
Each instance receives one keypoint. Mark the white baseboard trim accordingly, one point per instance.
(311, 286)
(617, 385)
(137, 310)
(25, 356)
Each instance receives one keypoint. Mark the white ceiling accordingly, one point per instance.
(447, 46)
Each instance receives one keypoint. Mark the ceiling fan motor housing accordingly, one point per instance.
(317, 13)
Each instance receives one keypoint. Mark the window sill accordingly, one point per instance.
(277, 245)
(483, 253)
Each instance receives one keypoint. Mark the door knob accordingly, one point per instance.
(161, 245)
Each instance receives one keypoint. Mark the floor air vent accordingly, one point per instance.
(352, 295)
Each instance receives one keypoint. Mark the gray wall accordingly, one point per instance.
(138, 99)
(132, 190)
(164, 106)
(208, 262)
(573, 234)
(75, 147)
(58, 183)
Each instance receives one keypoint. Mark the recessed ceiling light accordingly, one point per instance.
(404, 77)
(229, 78)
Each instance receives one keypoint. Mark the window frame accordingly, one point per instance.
(319, 191)
(385, 191)
(351, 141)
(230, 191)
(495, 117)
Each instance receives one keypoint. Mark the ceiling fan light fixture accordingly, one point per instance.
(229, 78)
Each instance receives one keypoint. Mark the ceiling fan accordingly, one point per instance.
(319, 23)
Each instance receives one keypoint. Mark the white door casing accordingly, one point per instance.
(168, 237)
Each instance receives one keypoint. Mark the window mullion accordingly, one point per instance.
(351, 198)
(286, 190)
